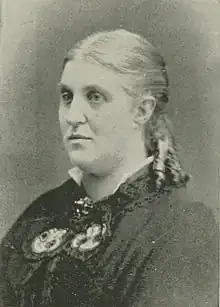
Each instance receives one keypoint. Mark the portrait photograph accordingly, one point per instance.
(109, 146)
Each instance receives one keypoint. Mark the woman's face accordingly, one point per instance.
(95, 116)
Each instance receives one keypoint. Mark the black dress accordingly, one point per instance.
(138, 247)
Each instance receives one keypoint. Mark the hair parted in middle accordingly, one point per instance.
(145, 72)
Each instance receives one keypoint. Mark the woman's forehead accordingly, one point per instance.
(82, 73)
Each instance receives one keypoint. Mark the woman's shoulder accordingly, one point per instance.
(184, 251)
(50, 201)
(192, 213)
(190, 219)
(41, 212)
(193, 252)
(177, 222)
(189, 234)
(53, 197)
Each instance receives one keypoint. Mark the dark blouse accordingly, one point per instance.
(138, 247)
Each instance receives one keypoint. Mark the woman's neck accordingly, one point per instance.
(98, 187)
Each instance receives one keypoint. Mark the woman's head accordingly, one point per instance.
(133, 93)
(130, 56)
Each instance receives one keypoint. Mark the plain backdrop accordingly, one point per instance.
(35, 35)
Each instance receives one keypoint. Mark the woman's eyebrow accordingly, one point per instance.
(63, 87)
(96, 87)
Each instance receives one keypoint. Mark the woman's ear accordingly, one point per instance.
(144, 110)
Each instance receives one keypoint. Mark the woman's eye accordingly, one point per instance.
(96, 97)
(66, 97)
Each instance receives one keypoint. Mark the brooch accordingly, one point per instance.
(89, 240)
(84, 235)
(83, 206)
(52, 241)
(48, 241)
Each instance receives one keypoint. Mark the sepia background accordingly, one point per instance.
(35, 36)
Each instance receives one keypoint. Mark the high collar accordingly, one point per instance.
(138, 190)
(138, 186)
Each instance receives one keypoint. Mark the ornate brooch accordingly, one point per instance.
(84, 237)
(83, 205)
(52, 241)
(89, 240)
(48, 241)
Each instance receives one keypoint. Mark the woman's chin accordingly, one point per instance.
(80, 159)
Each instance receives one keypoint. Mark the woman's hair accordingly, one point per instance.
(133, 57)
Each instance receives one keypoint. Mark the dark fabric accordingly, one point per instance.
(161, 250)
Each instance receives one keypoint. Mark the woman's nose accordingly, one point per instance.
(76, 113)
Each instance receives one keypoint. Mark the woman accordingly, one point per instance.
(120, 231)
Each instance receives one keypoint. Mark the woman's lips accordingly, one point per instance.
(78, 137)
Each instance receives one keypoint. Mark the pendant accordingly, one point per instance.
(89, 240)
(48, 241)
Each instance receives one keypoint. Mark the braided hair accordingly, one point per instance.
(133, 57)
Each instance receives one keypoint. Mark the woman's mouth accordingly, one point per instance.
(78, 137)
